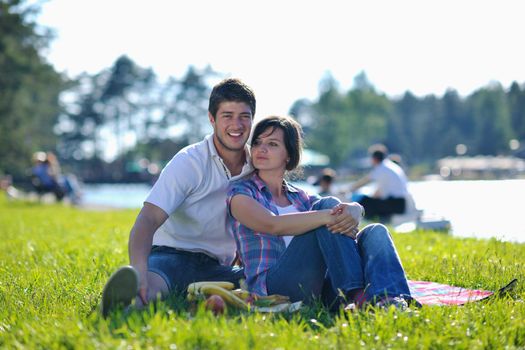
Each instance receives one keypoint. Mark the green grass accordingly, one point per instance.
(54, 261)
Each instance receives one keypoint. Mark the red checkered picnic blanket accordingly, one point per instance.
(432, 293)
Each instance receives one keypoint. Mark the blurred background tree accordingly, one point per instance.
(516, 102)
(127, 109)
(121, 121)
(189, 109)
(490, 120)
(29, 89)
(421, 129)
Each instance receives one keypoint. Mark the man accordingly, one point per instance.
(391, 186)
(180, 235)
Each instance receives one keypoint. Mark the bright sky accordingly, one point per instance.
(283, 48)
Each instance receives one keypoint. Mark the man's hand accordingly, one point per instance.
(143, 286)
(348, 217)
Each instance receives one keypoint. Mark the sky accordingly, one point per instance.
(282, 49)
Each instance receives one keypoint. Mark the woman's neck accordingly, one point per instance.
(274, 182)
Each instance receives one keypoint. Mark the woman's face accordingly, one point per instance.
(269, 151)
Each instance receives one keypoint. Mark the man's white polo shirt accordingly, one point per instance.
(390, 179)
(192, 189)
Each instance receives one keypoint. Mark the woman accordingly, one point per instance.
(264, 208)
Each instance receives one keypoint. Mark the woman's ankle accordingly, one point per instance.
(356, 296)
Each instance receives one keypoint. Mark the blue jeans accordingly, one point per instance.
(179, 268)
(319, 263)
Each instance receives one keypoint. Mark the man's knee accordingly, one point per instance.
(326, 203)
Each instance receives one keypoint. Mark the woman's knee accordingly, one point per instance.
(326, 203)
(374, 232)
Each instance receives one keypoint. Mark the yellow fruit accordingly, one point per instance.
(226, 295)
(274, 299)
(241, 293)
(195, 287)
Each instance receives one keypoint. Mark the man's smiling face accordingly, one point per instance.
(231, 126)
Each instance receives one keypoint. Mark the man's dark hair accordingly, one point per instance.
(378, 151)
(293, 139)
(231, 90)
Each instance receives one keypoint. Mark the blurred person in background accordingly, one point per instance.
(390, 183)
(44, 176)
(47, 177)
(324, 181)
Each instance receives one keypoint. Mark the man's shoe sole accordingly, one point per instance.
(120, 290)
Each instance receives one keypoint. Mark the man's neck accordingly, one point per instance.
(234, 160)
(235, 164)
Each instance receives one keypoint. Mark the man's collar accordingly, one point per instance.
(211, 145)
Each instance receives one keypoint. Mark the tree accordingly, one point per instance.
(430, 126)
(368, 116)
(404, 129)
(115, 101)
(344, 125)
(492, 128)
(121, 97)
(188, 104)
(329, 130)
(455, 128)
(516, 101)
(127, 102)
(422, 129)
(29, 89)
(361, 82)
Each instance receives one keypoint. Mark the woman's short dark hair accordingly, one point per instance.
(231, 90)
(293, 136)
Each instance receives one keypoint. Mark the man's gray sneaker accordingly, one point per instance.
(120, 290)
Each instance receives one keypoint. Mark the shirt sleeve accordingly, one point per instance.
(176, 182)
(374, 173)
(312, 198)
(235, 188)
(306, 199)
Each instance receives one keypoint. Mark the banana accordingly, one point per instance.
(239, 298)
(228, 296)
(241, 293)
(273, 299)
(276, 297)
(195, 287)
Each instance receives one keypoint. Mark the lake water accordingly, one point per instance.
(481, 209)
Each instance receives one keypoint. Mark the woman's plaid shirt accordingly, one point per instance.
(259, 250)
